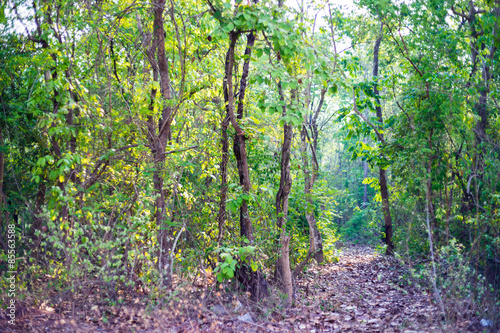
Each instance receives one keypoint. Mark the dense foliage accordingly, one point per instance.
(140, 142)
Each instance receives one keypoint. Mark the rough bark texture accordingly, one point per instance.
(222, 215)
(285, 178)
(254, 282)
(384, 193)
(283, 272)
(315, 241)
(432, 215)
(159, 134)
(287, 274)
(239, 145)
(310, 176)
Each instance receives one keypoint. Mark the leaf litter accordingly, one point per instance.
(363, 292)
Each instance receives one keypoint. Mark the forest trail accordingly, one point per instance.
(363, 292)
(360, 293)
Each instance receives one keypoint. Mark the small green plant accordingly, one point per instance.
(232, 257)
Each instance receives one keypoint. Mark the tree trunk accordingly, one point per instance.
(239, 146)
(254, 282)
(384, 193)
(432, 215)
(283, 262)
(315, 241)
(310, 176)
(159, 136)
(287, 273)
(285, 178)
(477, 47)
(222, 215)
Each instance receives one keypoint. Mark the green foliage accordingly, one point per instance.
(80, 99)
(460, 286)
(233, 258)
(364, 226)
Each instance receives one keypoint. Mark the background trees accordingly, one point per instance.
(142, 140)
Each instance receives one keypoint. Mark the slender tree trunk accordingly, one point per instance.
(315, 241)
(384, 193)
(222, 215)
(253, 281)
(283, 262)
(310, 176)
(239, 145)
(287, 273)
(365, 186)
(285, 178)
(477, 47)
(482, 124)
(159, 135)
(449, 201)
(432, 215)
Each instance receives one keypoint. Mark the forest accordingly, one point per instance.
(250, 166)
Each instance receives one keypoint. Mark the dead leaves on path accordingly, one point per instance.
(360, 293)
(363, 292)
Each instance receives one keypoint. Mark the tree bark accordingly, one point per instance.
(283, 262)
(384, 193)
(315, 241)
(159, 135)
(432, 215)
(239, 146)
(481, 105)
(287, 273)
(222, 215)
(254, 282)
(285, 178)
(311, 174)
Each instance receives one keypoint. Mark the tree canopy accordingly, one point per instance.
(142, 143)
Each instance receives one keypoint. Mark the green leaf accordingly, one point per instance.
(229, 27)
(41, 162)
(254, 266)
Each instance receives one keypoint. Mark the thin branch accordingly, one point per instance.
(179, 150)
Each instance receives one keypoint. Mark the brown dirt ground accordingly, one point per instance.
(363, 292)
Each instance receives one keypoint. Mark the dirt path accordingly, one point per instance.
(363, 292)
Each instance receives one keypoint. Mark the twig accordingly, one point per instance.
(179, 150)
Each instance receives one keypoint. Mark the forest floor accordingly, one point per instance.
(363, 292)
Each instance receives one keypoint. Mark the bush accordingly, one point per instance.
(363, 227)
